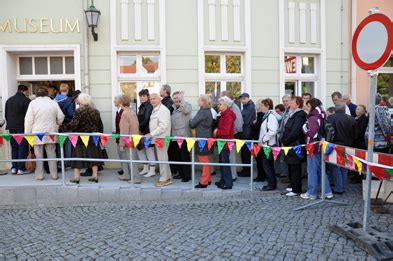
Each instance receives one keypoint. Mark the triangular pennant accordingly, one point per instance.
(168, 139)
(74, 139)
(190, 144)
(359, 165)
(127, 141)
(255, 150)
(147, 142)
(61, 139)
(179, 143)
(96, 139)
(52, 137)
(159, 142)
(390, 171)
(30, 140)
(104, 139)
(286, 149)
(210, 143)
(7, 136)
(201, 144)
(115, 135)
(1, 140)
(18, 138)
(380, 172)
(239, 145)
(329, 148)
(276, 151)
(85, 139)
(324, 145)
(231, 145)
(267, 151)
(310, 149)
(298, 150)
(350, 161)
(249, 145)
(40, 135)
(220, 145)
(136, 139)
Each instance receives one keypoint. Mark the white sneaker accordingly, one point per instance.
(289, 189)
(145, 170)
(329, 196)
(151, 173)
(14, 171)
(307, 196)
(291, 194)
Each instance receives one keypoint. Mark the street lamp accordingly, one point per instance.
(92, 17)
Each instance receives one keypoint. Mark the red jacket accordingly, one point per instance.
(226, 125)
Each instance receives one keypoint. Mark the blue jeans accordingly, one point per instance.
(18, 151)
(315, 175)
(339, 178)
(226, 170)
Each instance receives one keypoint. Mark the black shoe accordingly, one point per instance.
(268, 188)
(219, 183)
(225, 187)
(200, 186)
(76, 181)
(338, 193)
(209, 183)
(177, 176)
(120, 172)
(213, 173)
(93, 180)
(234, 179)
(259, 180)
(185, 180)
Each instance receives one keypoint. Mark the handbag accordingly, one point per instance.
(30, 165)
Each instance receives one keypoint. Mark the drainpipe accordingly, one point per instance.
(342, 46)
(86, 52)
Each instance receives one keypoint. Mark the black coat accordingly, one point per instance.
(344, 128)
(15, 111)
(248, 114)
(256, 127)
(293, 135)
(144, 112)
(167, 101)
(360, 131)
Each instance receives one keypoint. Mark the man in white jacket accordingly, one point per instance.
(160, 126)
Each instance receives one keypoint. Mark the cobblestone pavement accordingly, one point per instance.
(262, 226)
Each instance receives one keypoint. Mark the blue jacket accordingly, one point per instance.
(67, 106)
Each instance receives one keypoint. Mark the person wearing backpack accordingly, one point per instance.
(313, 129)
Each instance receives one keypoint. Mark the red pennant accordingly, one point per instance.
(230, 144)
(255, 150)
(180, 143)
(18, 138)
(127, 141)
(160, 143)
(210, 143)
(104, 139)
(310, 149)
(1, 140)
(52, 137)
(381, 173)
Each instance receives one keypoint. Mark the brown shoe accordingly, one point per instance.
(163, 183)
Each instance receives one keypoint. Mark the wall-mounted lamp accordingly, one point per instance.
(92, 17)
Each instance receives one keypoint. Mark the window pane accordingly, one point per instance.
(233, 64)
(234, 89)
(127, 64)
(56, 65)
(385, 84)
(69, 64)
(129, 89)
(214, 90)
(308, 87)
(290, 88)
(212, 64)
(25, 65)
(151, 64)
(307, 64)
(153, 87)
(41, 65)
(290, 64)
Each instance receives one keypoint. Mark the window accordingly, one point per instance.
(44, 65)
(137, 71)
(223, 72)
(300, 74)
(385, 79)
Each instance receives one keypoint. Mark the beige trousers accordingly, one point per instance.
(50, 149)
(165, 171)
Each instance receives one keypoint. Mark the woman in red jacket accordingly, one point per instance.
(225, 130)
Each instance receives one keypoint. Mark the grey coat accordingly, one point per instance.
(180, 119)
(202, 122)
(239, 118)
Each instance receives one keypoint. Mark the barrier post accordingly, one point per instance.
(193, 167)
(251, 169)
(62, 164)
(131, 168)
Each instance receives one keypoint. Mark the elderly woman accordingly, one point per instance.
(202, 122)
(128, 126)
(87, 120)
(293, 136)
(225, 130)
(44, 115)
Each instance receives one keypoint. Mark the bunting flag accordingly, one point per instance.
(350, 161)
(73, 139)
(96, 139)
(286, 149)
(1, 140)
(276, 151)
(310, 149)
(359, 165)
(179, 143)
(52, 137)
(136, 139)
(201, 144)
(298, 150)
(40, 135)
(7, 136)
(267, 151)
(249, 145)
(255, 150)
(85, 139)
(381, 173)
(329, 148)
(210, 143)
(324, 144)
(30, 140)
(220, 145)
(190, 144)
(168, 139)
(147, 142)
(231, 145)
(18, 138)
(127, 141)
(160, 143)
(61, 139)
(104, 139)
(115, 135)
(239, 145)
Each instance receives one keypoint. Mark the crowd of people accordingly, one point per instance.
(296, 121)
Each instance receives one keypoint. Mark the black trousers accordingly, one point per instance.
(177, 154)
(268, 166)
(295, 171)
(261, 172)
(246, 159)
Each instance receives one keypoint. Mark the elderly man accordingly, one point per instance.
(165, 94)
(180, 119)
(351, 106)
(283, 166)
(337, 98)
(249, 115)
(160, 126)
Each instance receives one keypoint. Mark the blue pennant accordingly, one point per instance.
(298, 150)
(96, 139)
(329, 148)
(202, 144)
(147, 142)
(40, 135)
(249, 145)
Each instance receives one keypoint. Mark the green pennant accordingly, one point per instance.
(115, 135)
(167, 139)
(390, 171)
(7, 136)
(61, 139)
(267, 151)
(220, 145)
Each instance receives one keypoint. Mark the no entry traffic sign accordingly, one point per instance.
(372, 42)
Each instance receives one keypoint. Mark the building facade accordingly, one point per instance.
(264, 47)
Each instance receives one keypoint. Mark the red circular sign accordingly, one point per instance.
(369, 51)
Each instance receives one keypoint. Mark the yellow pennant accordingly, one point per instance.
(359, 165)
(190, 144)
(324, 145)
(30, 140)
(286, 149)
(85, 139)
(239, 145)
(136, 139)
